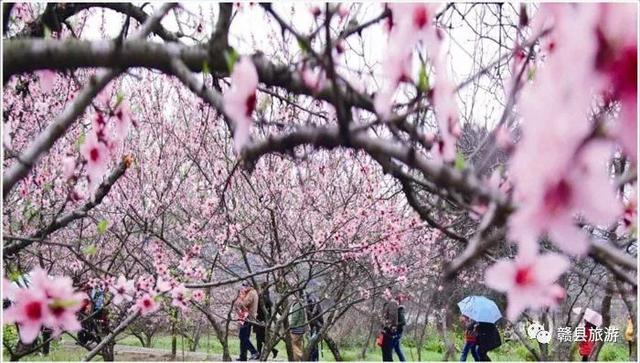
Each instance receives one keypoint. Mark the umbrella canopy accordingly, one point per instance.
(591, 316)
(480, 309)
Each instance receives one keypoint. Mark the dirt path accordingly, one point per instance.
(131, 353)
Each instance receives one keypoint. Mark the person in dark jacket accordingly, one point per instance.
(397, 338)
(298, 325)
(316, 321)
(389, 328)
(264, 314)
(487, 340)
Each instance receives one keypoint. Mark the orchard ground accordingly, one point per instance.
(129, 348)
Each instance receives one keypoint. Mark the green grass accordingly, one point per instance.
(57, 355)
(431, 350)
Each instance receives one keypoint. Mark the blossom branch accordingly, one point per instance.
(106, 340)
(80, 212)
(45, 140)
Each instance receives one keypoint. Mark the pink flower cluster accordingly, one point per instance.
(240, 100)
(50, 302)
(410, 24)
(100, 144)
(560, 167)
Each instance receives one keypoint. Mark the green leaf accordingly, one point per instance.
(102, 226)
(119, 99)
(531, 73)
(231, 57)
(459, 162)
(90, 250)
(303, 46)
(81, 140)
(15, 275)
(423, 79)
(47, 32)
(205, 67)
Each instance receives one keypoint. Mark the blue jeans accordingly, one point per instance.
(397, 347)
(469, 347)
(245, 341)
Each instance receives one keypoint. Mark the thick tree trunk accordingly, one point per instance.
(544, 348)
(333, 347)
(365, 346)
(174, 337)
(449, 350)
(605, 310)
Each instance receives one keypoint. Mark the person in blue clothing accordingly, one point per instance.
(97, 298)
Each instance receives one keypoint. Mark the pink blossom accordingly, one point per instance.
(62, 301)
(315, 11)
(528, 280)
(8, 289)
(96, 154)
(313, 78)
(29, 310)
(47, 79)
(162, 285)
(122, 290)
(6, 135)
(178, 297)
(196, 250)
(503, 138)
(122, 120)
(198, 295)
(68, 167)
(343, 11)
(409, 22)
(617, 61)
(583, 188)
(146, 304)
(240, 100)
(50, 302)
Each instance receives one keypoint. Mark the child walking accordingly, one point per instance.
(470, 335)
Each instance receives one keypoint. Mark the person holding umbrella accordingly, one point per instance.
(486, 313)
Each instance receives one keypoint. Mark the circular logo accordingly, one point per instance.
(533, 330)
(543, 337)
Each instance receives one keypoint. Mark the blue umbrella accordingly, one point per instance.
(480, 309)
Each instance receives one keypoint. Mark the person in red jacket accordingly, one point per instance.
(586, 346)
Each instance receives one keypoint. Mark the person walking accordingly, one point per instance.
(585, 347)
(264, 314)
(297, 326)
(470, 334)
(630, 337)
(316, 321)
(402, 321)
(247, 304)
(488, 339)
(389, 328)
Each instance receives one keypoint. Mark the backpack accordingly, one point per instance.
(402, 320)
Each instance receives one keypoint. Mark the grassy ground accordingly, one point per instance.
(431, 351)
